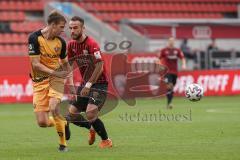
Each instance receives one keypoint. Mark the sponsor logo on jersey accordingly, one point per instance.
(31, 48)
(56, 49)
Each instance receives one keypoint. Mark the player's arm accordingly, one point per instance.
(34, 53)
(38, 66)
(160, 56)
(35, 61)
(97, 70)
(64, 58)
(97, 56)
(69, 67)
(183, 60)
(183, 63)
(66, 65)
(69, 60)
(159, 62)
(96, 73)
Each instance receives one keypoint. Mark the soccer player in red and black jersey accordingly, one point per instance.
(92, 94)
(169, 57)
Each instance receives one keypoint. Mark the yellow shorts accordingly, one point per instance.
(52, 87)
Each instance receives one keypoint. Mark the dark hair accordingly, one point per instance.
(55, 17)
(77, 18)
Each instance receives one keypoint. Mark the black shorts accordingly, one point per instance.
(97, 96)
(170, 78)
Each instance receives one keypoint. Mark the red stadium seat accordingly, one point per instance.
(111, 11)
(6, 50)
(13, 38)
(12, 16)
(12, 12)
(3, 5)
(162, 8)
(21, 5)
(26, 26)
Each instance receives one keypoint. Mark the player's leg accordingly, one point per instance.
(60, 122)
(97, 98)
(40, 104)
(77, 119)
(56, 90)
(75, 107)
(44, 120)
(171, 81)
(98, 125)
(169, 95)
(74, 116)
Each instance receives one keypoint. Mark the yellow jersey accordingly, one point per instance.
(50, 51)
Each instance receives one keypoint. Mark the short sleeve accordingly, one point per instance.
(161, 54)
(180, 54)
(33, 45)
(94, 49)
(63, 54)
(69, 50)
(70, 53)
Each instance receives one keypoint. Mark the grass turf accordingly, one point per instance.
(208, 129)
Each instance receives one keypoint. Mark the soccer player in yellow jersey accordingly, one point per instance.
(46, 50)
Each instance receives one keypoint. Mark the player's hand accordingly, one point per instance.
(85, 92)
(184, 67)
(73, 93)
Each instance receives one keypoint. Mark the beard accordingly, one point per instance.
(76, 36)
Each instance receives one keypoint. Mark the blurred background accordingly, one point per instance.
(131, 34)
(207, 31)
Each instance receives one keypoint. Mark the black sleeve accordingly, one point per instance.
(63, 50)
(33, 45)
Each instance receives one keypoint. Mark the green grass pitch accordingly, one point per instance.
(205, 130)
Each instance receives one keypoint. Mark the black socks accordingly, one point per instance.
(78, 120)
(100, 129)
(169, 96)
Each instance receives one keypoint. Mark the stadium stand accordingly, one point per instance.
(18, 18)
(21, 5)
(160, 9)
(116, 13)
(113, 12)
(25, 26)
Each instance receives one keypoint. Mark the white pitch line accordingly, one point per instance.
(218, 111)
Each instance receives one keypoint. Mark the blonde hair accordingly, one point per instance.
(55, 17)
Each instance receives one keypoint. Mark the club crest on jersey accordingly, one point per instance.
(175, 51)
(97, 55)
(85, 51)
(56, 49)
(74, 51)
